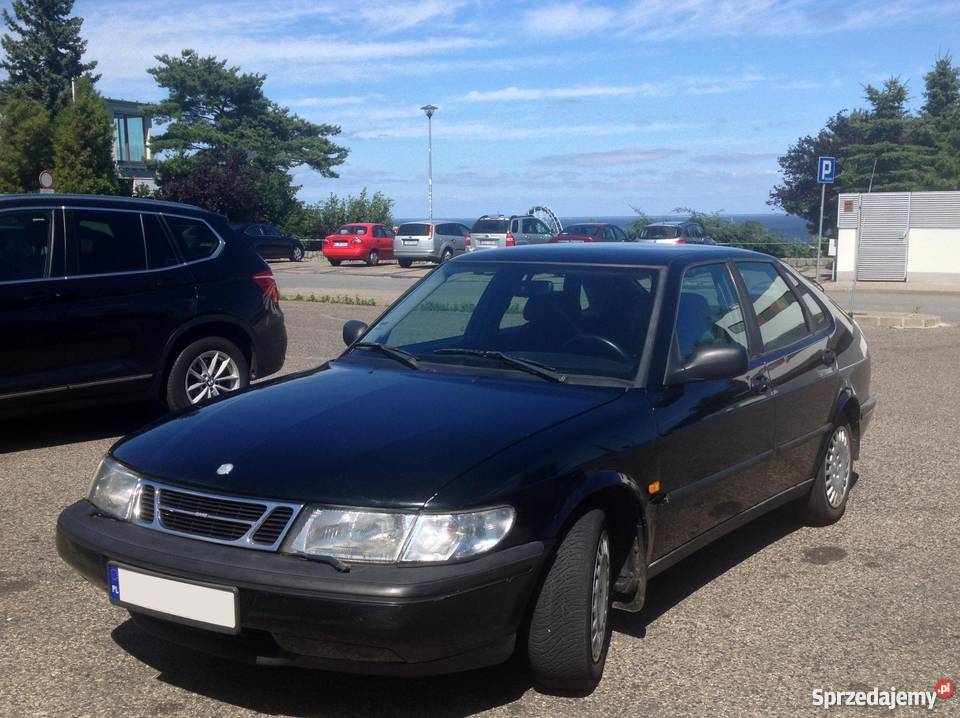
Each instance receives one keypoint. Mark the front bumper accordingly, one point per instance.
(383, 619)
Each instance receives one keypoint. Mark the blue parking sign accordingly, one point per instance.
(826, 170)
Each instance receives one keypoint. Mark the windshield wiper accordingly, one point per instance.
(399, 355)
(528, 365)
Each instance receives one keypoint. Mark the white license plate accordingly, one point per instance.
(339, 244)
(488, 242)
(200, 604)
(410, 241)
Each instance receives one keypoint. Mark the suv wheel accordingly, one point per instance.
(297, 254)
(405, 263)
(206, 369)
(570, 627)
(828, 496)
(373, 259)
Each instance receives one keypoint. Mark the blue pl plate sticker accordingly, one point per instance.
(114, 574)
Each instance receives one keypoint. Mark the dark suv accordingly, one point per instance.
(108, 297)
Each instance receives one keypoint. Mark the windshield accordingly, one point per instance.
(352, 229)
(414, 230)
(581, 230)
(582, 321)
(658, 231)
(491, 226)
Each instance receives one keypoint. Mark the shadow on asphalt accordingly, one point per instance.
(55, 428)
(301, 692)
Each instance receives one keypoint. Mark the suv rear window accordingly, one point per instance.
(656, 231)
(491, 226)
(414, 230)
(195, 239)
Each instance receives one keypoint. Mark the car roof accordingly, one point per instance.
(35, 199)
(429, 221)
(612, 253)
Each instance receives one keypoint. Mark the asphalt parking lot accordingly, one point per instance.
(748, 626)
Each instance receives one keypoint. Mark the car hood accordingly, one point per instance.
(353, 433)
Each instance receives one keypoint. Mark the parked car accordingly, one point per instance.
(675, 233)
(499, 231)
(272, 242)
(591, 232)
(513, 448)
(365, 241)
(104, 298)
(437, 241)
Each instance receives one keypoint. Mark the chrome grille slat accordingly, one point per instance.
(259, 524)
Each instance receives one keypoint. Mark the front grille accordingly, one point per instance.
(273, 525)
(258, 524)
(147, 506)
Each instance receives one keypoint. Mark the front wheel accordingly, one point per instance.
(297, 254)
(204, 370)
(570, 627)
(831, 489)
(373, 259)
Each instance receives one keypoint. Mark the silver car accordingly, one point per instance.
(500, 231)
(435, 241)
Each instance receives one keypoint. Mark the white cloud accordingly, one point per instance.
(347, 100)
(394, 17)
(568, 19)
(487, 131)
(512, 93)
(627, 156)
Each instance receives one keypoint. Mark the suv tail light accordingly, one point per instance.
(431, 230)
(267, 284)
(469, 241)
(681, 241)
(511, 242)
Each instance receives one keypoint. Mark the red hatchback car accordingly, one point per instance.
(364, 241)
(591, 232)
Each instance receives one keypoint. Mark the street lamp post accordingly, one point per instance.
(429, 110)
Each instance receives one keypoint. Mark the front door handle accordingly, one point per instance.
(760, 383)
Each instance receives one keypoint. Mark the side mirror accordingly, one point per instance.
(353, 330)
(711, 362)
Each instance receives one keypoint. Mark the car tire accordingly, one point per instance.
(827, 501)
(373, 259)
(334, 262)
(446, 256)
(405, 263)
(296, 254)
(176, 394)
(569, 630)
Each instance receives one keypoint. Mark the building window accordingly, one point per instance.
(130, 138)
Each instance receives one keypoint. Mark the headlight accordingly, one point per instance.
(360, 535)
(114, 489)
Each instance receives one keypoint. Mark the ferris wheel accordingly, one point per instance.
(548, 217)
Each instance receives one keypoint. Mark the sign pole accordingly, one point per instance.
(823, 195)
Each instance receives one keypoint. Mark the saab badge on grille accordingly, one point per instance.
(224, 469)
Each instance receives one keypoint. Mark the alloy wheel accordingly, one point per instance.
(837, 466)
(600, 599)
(211, 374)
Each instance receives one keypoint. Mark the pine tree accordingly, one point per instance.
(43, 52)
(942, 91)
(25, 145)
(83, 145)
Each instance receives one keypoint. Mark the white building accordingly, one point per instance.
(903, 236)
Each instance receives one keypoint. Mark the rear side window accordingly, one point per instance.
(107, 242)
(195, 238)
(159, 250)
(775, 305)
(24, 244)
(709, 312)
(818, 319)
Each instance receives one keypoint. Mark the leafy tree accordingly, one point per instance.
(43, 52)
(747, 235)
(323, 218)
(83, 145)
(25, 144)
(222, 180)
(639, 223)
(210, 106)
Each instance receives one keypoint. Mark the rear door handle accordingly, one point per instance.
(760, 383)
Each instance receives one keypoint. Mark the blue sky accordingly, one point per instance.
(589, 107)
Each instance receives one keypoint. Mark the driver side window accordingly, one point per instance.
(709, 311)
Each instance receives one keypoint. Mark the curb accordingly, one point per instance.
(897, 320)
